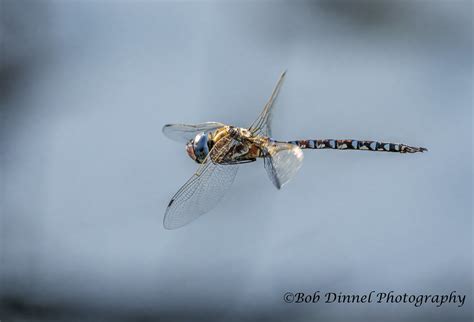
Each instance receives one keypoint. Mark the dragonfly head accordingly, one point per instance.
(198, 148)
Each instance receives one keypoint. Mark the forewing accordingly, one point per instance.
(262, 125)
(203, 190)
(282, 162)
(186, 132)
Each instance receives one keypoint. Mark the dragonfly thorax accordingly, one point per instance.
(239, 133)
(198, 147)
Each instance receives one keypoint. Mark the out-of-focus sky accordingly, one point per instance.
(86, 86)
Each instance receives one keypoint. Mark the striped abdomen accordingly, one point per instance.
(357, 145)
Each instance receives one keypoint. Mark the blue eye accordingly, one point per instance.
(200, 146)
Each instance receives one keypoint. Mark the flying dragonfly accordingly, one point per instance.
(219, 149)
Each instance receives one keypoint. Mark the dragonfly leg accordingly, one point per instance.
(233, 162)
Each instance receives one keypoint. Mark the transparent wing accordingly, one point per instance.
(186, 132)
(262, 125)
(203, 190)
(282, 161)
(199, 195)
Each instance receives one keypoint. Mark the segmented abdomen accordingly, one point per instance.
(357, 145)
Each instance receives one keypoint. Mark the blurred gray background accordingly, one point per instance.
(86, 174)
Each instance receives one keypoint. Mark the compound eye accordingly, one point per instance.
(200, 146)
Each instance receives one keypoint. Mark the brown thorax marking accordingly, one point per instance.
(246, 149)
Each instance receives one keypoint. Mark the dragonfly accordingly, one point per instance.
(220, 149)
